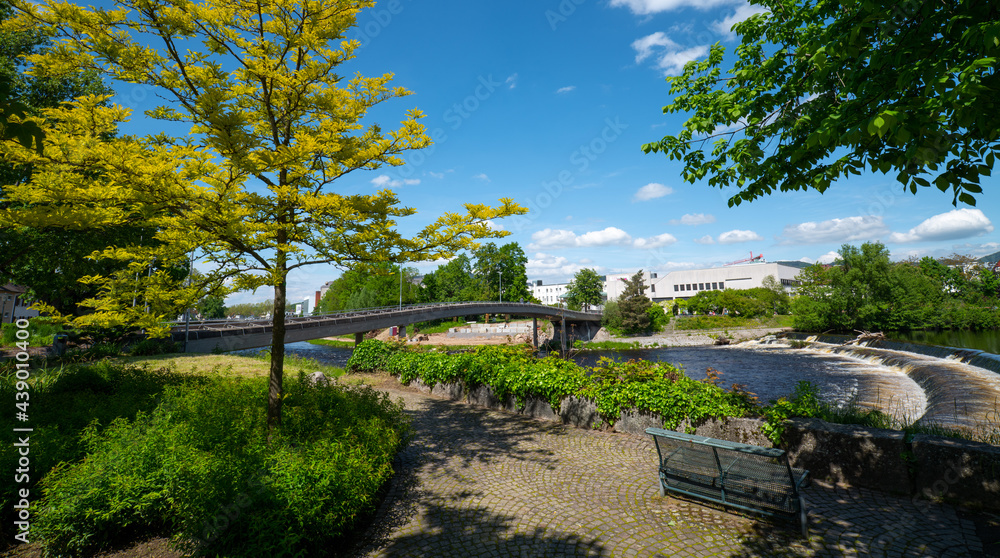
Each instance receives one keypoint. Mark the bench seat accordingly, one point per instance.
(744, 476)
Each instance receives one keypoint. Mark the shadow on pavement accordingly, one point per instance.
(476, 531)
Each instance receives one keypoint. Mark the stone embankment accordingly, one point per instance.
(926, 467)
(691, 338)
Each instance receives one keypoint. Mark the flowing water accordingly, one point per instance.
(947, 386)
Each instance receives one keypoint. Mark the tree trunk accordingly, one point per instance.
(275, 390)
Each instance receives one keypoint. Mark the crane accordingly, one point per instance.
(751, 259)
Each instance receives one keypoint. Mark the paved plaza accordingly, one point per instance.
(477, 482)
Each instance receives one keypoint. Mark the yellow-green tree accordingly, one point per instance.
(273, 125)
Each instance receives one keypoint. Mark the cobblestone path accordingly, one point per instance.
(476, 482)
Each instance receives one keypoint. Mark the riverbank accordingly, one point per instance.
(668, 338)
(693, 338)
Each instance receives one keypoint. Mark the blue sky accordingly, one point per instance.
(549, 102)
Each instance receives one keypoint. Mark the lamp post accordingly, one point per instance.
(501, 285)
(400, 285)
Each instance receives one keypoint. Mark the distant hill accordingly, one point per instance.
(794, 263)
(992, 258)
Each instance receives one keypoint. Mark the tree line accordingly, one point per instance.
(864, 290)
(490, 273)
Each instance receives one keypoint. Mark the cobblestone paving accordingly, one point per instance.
(476, 482)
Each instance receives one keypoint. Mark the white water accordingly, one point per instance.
(909, 386)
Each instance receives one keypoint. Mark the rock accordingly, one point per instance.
(317, 379)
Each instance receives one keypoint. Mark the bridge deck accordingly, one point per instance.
(230, 335)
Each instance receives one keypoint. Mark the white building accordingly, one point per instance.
(614, 284)
(549, 294)
(687, 283)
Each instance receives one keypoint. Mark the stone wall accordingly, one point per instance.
(928, 466)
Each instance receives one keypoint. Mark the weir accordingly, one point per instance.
(961, 386)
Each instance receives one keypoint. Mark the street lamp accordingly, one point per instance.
(501, 285)
(400, 285)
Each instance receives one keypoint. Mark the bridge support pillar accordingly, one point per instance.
(534, 331)
(563, 335)
(358, 338)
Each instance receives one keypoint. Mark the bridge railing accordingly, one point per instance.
(350, 315)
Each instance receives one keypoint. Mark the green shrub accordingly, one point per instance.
(40, 332)
(68, 402)
(658, 318)
(200, 465)
(804, 402)
(154, 346)
(371, 355)
(662, 389)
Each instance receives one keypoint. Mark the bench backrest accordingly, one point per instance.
(716, 443)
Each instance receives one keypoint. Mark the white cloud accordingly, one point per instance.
(958, 223)
(707, 239)
(385, 181)
(676, 266)
(608, 237)
(694, 219)
(566, 89)
(672, 62)
(734, 236)
(561, 238)
(482, 176)
(744, 11)
(828, 258)
(494, 226)
(549, 265)
(644, 46)
(652, 191)
(553, 238)
(646, 7)
(511, 81)
(657, 241)
(861, 227)
(438, 175)
(670, 57)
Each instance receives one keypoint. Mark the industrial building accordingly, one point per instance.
(743, 274)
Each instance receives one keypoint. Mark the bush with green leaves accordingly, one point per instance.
(67, 402)
(804, 402)
(40, 332)
(511, 371)
(154, 346)
(371, 355)
(144, 450)
(662, 389)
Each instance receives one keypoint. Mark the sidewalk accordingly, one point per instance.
(476, 482)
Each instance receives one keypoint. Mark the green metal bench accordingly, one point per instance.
(747, 477)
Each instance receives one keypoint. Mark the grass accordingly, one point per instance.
(245, 366)
(612, 345)
(340, 343)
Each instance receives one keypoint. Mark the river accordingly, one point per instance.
(907, 385)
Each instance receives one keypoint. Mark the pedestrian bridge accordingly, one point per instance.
(231, 335)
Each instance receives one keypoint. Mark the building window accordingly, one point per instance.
(676, 288)
(652, 288)
(722, 285)
(715, 286)
(701, 286)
